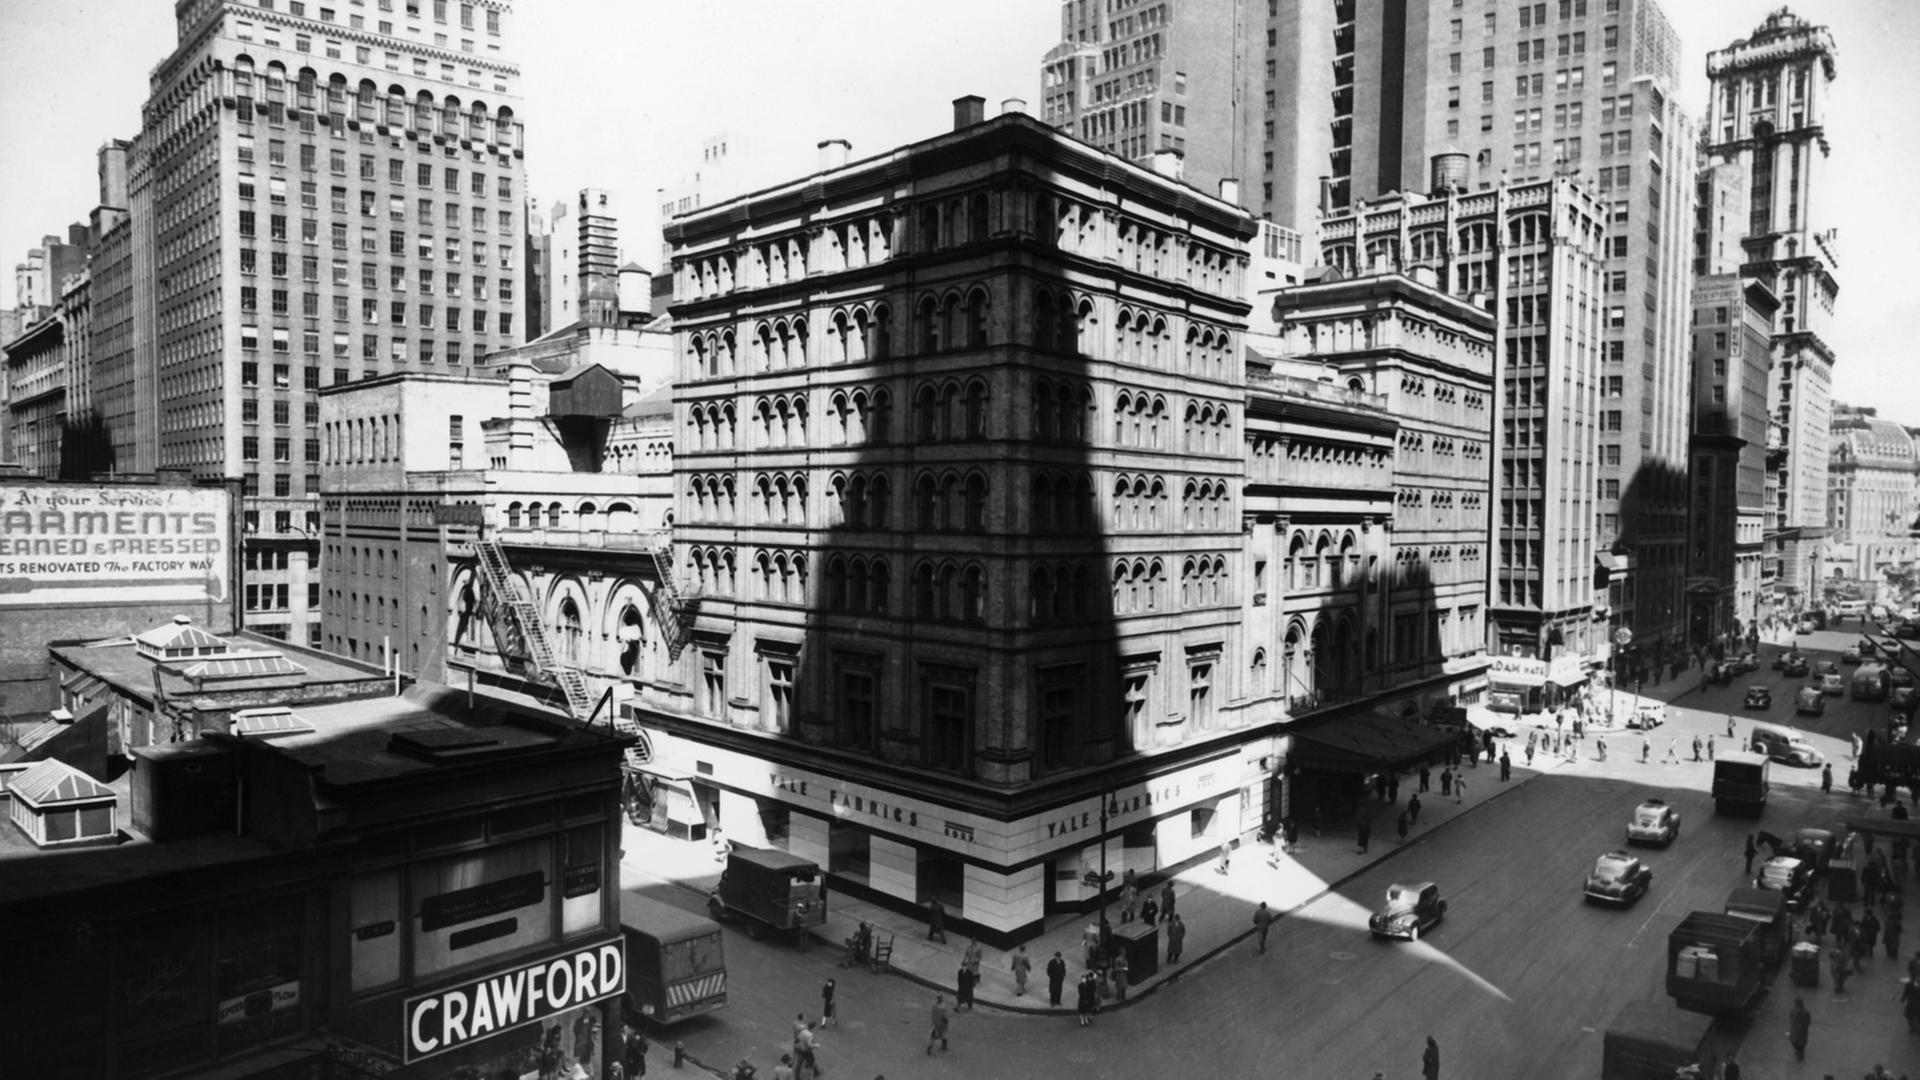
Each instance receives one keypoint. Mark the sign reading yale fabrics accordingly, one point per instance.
(75, 544)
(471, 1011)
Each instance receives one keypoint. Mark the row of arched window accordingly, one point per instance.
(862, 417)
(1203, 580)
(1322, 561)
(1062, 410)
(950, 502)
(950, 410)
(861, 501)
(584, 515)
(951, 320)
(448, 116)
(365, 439)
(782, 498)
(1059, 592)
(1060, 502)
(782, 419)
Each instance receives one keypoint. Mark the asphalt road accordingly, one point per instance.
(1520, 979)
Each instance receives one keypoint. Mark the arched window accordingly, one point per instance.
(570, 631)
(926, 414)
(977, 218)
(977, 319)
(926, 503)
(976, 503)
(973, 595)
(632, 633)
(976, 410)
(513, 515)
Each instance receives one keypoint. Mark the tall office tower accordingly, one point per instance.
(1533, 253)
(1767, 115)
(123, 390)
(334, 194)
(599, 248)
(1587, 88)
(1720, 218)
(1242, 88)
(1727, 557)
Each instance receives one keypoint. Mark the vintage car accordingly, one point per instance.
(1782, 659)
(1826, 667)
(1898, 675)
(1869, 648)
(1796, 666)
(1410, 909)
(1809, 701)
(1618, 878)
(1786, 874)
(1653, 822)
(1743, 663)
(1647, 717)
(1759, 697)
(1853, 655)
(1716, 673)
(1902, 699)
(1832, 685)
(1815, 847)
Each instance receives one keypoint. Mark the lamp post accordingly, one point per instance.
(1109, 807)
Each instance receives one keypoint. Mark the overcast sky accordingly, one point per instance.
(620, 94)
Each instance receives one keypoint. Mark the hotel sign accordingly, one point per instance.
(484, 1007)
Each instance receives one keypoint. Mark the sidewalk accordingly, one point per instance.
(1218, 909)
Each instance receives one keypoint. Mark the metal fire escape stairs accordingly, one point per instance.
(673, 611)
(517, 626)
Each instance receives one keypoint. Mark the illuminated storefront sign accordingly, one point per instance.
(459, 1015)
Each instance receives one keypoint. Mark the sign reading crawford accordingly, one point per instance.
(81, 544)
(527, 994)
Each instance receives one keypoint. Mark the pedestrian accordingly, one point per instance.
(1891, 935)
(1056, 977)
(1709, 748)
(1840, 967)
(1117, 973)
(1529, 752)
(1817, 917)
(1088, 998)
(1262, 922)
(1022, 966)
(1506, 767)
(1149, 911)
(1446, 782)
(1856, 745)
(1090, 944)
(1731, 1069)
(1646, 750)
(784, 1070)
(1696, 748)
(970, 957)
(1869, 932)
(1843, 925)
(1460, 790)
(1751, 852)
(1106, 940)
(1826, 778)
(1413, 810)
(937, 922)
(1176, 938)
(1430, 1060)
(829, 1010)
(1600, 744)
(1226, 856)
(1290, 832)
(1730, 726)
(1365, 829)
(1393, 788)
(1860, 951)
(1166, 899)
(938, 1033)
(804, 1061)
(1426, 777)
(1909, 996)
(1129, 898)
(633, 1048)
(1673, 755)
(1380, 786)
(1401, 825)
(1798, 1024)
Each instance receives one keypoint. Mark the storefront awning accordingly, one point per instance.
(1361, 743)
(1886, 828)
(1570, 678)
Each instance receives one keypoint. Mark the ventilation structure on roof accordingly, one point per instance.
(268, 722)
(56, 804)
(442, 744)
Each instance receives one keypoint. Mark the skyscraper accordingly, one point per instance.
(332, 192)
(1242, 89)
(1767, 116)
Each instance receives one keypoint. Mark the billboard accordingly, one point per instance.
(64, 544)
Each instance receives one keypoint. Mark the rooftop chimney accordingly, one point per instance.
(1230, 190)
(1326, 195)
(1169, 163)
(833, 153)
(1013, 105)
(968, 111)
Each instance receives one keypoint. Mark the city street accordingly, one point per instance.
(1520, 979)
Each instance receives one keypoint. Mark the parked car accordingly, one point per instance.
(1759, 697)
(1743, 663)
(1903, 699)
(1804, 626)
(1618, 878)
(1832, 684)
(1716, 673)
(1809, 701)
(1409, 910)
(1869, 648)
(1899, 675)
(1786, 874)
(1852, 655)
(1784, 745)
(1654, 822)
(1796, 666)
(1826, 667)
(1647, 717)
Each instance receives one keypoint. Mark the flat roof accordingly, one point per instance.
(119, 663)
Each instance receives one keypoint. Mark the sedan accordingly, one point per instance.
(1814, 847)
(1409, 910)
(1618, 878)
(1795, 667)
(1852, 655)
(1809, 701)
(1826, 667)
(1646, 718)
(1832, 685)
(1653, 822)
(1898, 675)
(1743, 663)
(1784, 873)
(1759, 697)
(1902, 699)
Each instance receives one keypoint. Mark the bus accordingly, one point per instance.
(1870, 683)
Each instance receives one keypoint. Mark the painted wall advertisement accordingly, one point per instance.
(77, 544)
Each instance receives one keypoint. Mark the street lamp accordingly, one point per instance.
(1109, 807)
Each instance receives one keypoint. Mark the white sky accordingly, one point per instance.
(620, 94)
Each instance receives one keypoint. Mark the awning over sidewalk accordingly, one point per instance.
(1885, 827)
(1360, 743)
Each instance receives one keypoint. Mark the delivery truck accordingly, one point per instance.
(676, 965)
(1651, 1040)
(770, 890)
(1713, 963)
(1740, 783)
(1767, 910)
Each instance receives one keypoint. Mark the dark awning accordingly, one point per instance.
(1886, 827)
(1361, 743)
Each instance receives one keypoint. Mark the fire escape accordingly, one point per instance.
(672, 611)
(519, 632)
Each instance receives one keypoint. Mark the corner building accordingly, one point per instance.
(333, 192)
(958, 482)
